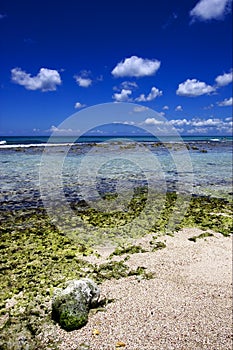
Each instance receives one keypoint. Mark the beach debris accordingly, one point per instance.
(95, 332)
(70, 306)
(120, 344)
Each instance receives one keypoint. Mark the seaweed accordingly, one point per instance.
(36, 257)
(127, 250)
(158, 246)
(202, 235)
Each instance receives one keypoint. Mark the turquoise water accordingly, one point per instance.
(93, 166)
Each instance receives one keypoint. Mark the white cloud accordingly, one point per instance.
(153, 121)
(136, 67)
(45, 80)
(210, 9)
(2, 15)
(197, 131)
(139, 109)
(162, 114)
(178, 108)
(79, 105)
(192, 126)
(127, 122)
(165, 107)
(211, 126)
(129, 85)
(179, 122)
(83, 79)
(226, 102)
(122, 96)
(61, 132)
(83, 82)
(224, 79)
(209, 107)
(97, 131)
(56, 129)
(203, 122)
(193, 88)
(151, 96)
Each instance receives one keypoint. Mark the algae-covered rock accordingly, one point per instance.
(70, 306)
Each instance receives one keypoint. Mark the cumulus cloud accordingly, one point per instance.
(139, 109)
(129, 85)
(193, 88)
(136, 67)
(45, 80)
(206, 122)
(224, 79)
(178, 108)
(122, 96)
(197, 131)
(59, 131)
(153, 121)
(179, 122)
(198, 125)
(226, 102)
(213, 126)
(210, 9)
(151, 96)
(79, 105)
(83, 82)
(83, 79)
(56, 129)
(165, 107)
(197, 122)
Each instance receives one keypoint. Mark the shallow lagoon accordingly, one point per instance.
(211, 169)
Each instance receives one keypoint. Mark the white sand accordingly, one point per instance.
(187, 305)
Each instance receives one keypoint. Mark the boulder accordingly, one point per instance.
(70, 306)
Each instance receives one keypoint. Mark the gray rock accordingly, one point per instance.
(70, 306)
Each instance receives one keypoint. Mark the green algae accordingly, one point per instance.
(209, 213)
(36, 257)
(158, 245)
(202, 235)
(115, 218)
(127, 250)
(69, 321)
(203, 212)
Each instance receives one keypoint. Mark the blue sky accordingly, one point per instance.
(59, 57)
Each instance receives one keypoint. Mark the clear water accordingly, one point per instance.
(96, 166)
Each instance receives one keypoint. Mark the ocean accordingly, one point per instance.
(93, 166)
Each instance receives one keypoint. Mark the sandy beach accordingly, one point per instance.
(186, 305)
